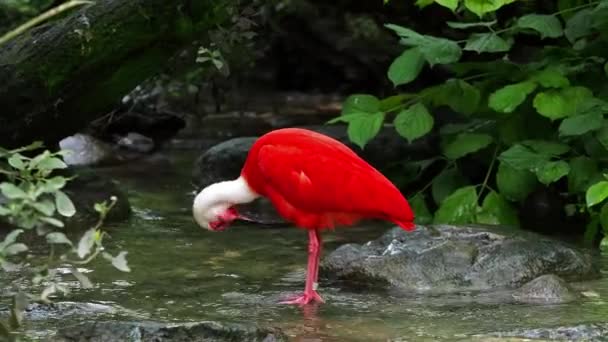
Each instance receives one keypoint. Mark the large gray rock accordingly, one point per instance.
(444, 259)
(112, 331)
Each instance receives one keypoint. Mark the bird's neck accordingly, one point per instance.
(228, 192)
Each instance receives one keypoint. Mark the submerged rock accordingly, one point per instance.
(87, 189)
(110, 331)
(136, 142)
(444, 259)
(582, 332)
(546, 289)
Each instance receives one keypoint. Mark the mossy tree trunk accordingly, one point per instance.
(57, 78)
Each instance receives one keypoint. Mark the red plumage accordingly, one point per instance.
(317, 182)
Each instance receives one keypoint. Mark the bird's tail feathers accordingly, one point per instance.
(406, 225)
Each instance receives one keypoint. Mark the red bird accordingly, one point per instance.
(314, 181)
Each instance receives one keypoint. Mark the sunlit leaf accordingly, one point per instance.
(596, 193)
(557, 104)
(451, 4)
(508, 98)
(14, 249)
(64, 204)
(86, 243)
(11, 191)
(482, 7)
(58, 238)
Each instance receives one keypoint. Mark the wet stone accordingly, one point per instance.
(447, 259)
(208, 331)
(546, 289)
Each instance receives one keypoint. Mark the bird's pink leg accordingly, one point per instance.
(310, 289)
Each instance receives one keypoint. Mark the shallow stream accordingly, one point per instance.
(183, 273)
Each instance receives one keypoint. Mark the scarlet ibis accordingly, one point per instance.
(313, 181)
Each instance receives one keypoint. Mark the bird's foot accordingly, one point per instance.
(304, 299)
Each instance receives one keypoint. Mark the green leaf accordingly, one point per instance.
(458, 208)
(464, 26)
(52, 221)
(120, 262)
(440, 51)
(508, 98)
(488, 42)
(11, 191)
(551, 77)
(406, 67)
(549, 148)
(481, 7)
(51, 163)
(361, 104)
(548, 26)
(579, 25)
(414, 122)
(365, 128)
(16, 161)
(446, 183)
(591, 230)
(10, 238)
(64, 205)
(496, 210)
(85, 282)
(606, 69)
(55, 183)
(514, 184)
(459, 95)
(424, 3)
(4, 211)
(466, 143)
(523, 158)
(14, 249)
(552, 171)
(435, 50)
(451, 4)
(45, 206)
(557, 104)
(582, 170)
(58, 238)
(86, 243)
(596, 193)
(580, 124)
(423, 214)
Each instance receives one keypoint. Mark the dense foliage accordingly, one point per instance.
(33, 200)
(525, 97)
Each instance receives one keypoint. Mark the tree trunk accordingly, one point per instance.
(58, 77)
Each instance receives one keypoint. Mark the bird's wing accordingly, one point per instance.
(325, 180)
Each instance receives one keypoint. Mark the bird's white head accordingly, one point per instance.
(213, 207)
